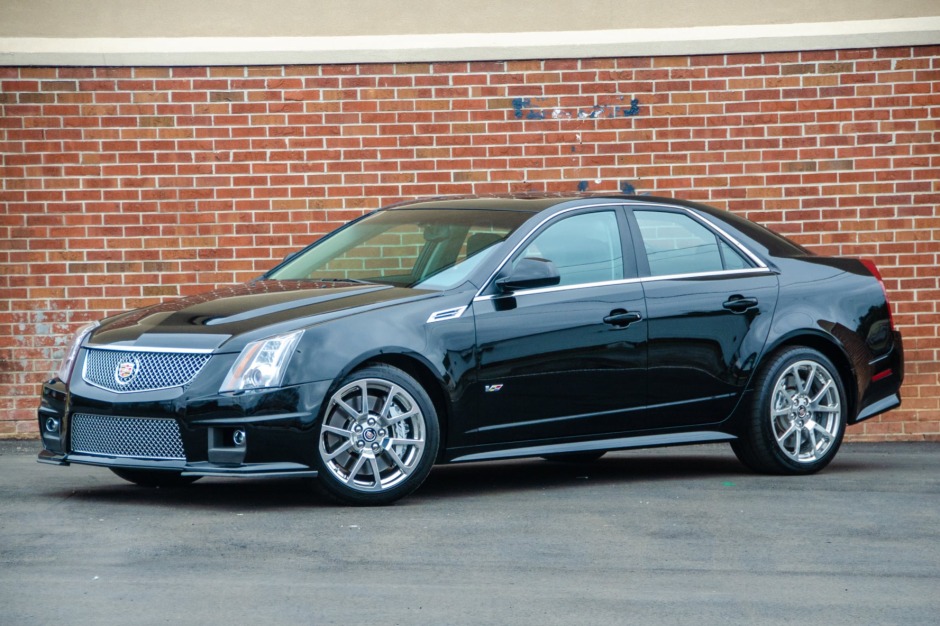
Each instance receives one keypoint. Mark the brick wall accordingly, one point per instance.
(123, 186)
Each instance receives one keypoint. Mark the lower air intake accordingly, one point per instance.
(134, 437)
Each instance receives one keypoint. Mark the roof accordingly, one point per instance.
(531, 202)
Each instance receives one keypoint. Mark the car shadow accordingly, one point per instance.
(450, 482)
(445, 482)
(539, 474)
(216, 493)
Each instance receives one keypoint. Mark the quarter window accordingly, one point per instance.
(677, 244)
(585, 248)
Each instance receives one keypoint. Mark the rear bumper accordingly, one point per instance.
(884, 389)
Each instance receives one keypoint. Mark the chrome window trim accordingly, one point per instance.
(761, 268)
(750, 270)
(626, 281)
(528, 292)
(708, 224)
(121, 348)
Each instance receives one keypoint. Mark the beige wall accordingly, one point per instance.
(174, 32)
(322, 18)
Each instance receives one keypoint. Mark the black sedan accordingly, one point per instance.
(471, 329)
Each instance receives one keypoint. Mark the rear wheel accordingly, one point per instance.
(154, 478)
(377, 438)
(797, 418)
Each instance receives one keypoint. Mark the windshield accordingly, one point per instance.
(426, 248)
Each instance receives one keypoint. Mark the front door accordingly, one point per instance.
(569, 360)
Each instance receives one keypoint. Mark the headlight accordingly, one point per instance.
(64, 373)
(262, 363)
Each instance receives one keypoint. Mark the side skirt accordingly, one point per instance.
(623, 443)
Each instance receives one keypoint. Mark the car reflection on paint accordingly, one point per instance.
(472, 329)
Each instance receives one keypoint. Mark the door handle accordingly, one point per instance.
(739, 304)
(621, 318)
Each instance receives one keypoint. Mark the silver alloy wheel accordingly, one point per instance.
(373, 435)
(806, 411)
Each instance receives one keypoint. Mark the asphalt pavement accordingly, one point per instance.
(669, 536)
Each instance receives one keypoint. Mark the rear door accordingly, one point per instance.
(709, 304)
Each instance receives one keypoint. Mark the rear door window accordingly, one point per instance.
(677, 244)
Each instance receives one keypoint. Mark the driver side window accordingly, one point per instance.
(585, 248)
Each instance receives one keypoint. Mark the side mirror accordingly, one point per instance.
(529, 273)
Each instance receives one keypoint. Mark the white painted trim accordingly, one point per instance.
(174, 51)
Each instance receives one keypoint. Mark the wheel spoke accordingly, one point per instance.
(796, 382)
(809, 379)
(798, 437)
(364, 399)
(818, 397)
(822, 431)
(336, 431)
(782, 438)
(397, 460)
(418, 443)
(825, 409)
(393, 391)
(811, 432)
(351, 412)
(374, 463)
(338, 451)
(355, 469)
(396, 419)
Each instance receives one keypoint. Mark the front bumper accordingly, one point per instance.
(275, 428)
(249, 470)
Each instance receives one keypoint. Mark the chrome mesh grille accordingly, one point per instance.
(130, 371)
(142, 438)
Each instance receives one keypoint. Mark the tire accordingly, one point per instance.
(154, 478)
(797, 417)
(575, 457)
(377, 437)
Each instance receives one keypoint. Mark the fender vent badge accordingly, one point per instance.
(446, 314)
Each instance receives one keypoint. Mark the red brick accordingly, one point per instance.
(167, 181)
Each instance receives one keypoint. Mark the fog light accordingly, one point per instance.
(238, 437)
(52, 425)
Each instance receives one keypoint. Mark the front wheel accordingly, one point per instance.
(798, 415)
(377, 438)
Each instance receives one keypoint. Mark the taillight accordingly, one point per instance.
(870, 265)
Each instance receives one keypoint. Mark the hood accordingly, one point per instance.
(208, 320)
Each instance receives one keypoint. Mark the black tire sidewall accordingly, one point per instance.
(340, 492)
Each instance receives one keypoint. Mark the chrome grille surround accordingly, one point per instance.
(133, 437)
(128, 371)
